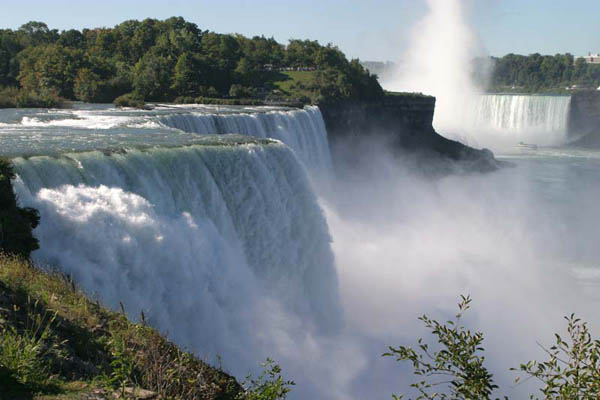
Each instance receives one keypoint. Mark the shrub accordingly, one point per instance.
(12, 97)
(270, 385)
(573, 370)
(458, 365)
(184, 100)
(130, 100)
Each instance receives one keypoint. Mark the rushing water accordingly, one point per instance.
(226, 242)
(542, 120)
(43, 131)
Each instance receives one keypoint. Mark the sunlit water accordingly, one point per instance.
(237, 248)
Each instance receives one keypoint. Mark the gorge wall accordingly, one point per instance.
(584, 118)
(405, 121)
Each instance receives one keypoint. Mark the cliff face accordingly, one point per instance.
(407, 122)
(584, 117)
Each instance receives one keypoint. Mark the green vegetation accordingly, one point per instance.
(130, 100)
(270, 385)
(154, 60)
(539, 74)
(407, 94)
(55, 341)
(12, 97)
(458, 363)
(456, 371)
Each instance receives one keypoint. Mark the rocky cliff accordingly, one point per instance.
(584, 118)
(405, 121)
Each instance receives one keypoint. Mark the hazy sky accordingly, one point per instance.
(369, 29)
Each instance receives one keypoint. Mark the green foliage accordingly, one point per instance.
(163, 60)
(122, 365)
(23, 353)
(571, 372)
(54, 335)
(12, 97)
(152, 77)
(130, 100)
(573, 369)
(540, 73)
(458, 365)
(270, 385)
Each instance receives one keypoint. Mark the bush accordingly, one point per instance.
(130, 100)
(184, 100)
(8, 97)
(12, 97)
(572, 372)
(270, 385)
(459, 364)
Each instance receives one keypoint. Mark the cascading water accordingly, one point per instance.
(514, 118)
(218, 238)
(302, 130)
(214, 242)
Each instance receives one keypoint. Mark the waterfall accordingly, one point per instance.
(222, 245)
(302, 130)
(513, 118)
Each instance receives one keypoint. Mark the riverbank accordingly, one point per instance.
(56, 342)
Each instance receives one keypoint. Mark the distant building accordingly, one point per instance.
(592, 58)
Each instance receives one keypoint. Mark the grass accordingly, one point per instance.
(294, 84)
(55, 343)
(407, 94)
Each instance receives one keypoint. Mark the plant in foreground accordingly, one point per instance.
(23, 353)
(573, 370)
(571, 373)
(457, 368)
(270, 385)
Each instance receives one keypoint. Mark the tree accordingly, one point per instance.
(50, 68)
(152, 78)
(87, 85)
(187, 75)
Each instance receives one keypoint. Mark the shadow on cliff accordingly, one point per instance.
(404, 124)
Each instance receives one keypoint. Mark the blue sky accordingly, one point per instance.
(369, 29)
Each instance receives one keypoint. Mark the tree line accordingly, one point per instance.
(542, 73)
(161, 60)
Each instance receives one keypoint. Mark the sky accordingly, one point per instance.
(367, 29)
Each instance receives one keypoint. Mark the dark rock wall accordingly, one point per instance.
(407, 122)
(584, 115)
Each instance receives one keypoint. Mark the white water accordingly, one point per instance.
(224, 246)
(302, 130)
(502, 120)
(439, 62)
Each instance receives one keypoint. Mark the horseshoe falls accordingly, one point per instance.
(501, 120)
(218, 238)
